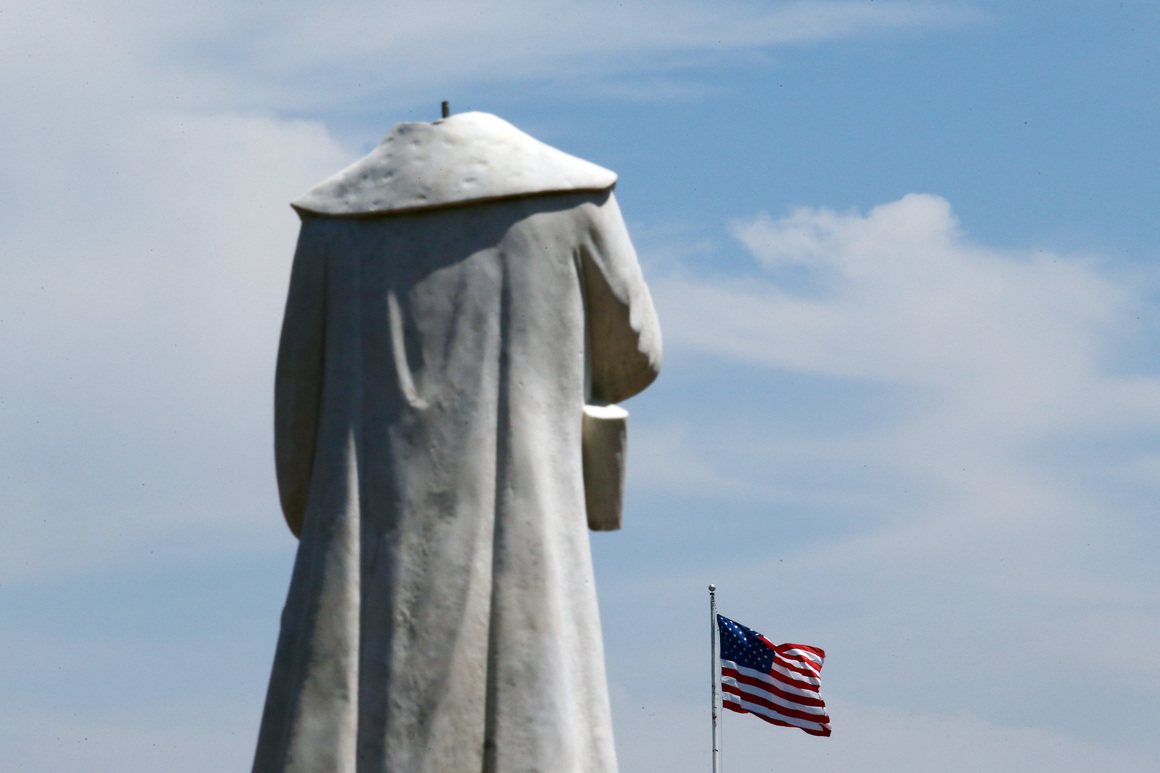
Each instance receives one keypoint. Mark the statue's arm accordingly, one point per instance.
(298, 376)
(624, 335)
(624, 356)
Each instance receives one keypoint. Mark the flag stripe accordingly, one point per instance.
(743, 707)
(776, 678)
(804, 697)
(802, 651)
(772, 704)
(798, 668)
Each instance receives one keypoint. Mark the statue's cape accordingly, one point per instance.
(466, 158)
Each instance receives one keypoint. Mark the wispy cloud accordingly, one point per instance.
(296, 56)
(451, 41)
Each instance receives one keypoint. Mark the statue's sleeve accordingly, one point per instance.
(298, 376)
(624, 336)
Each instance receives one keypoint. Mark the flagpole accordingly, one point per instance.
(715, 668)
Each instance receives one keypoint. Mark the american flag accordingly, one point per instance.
(777, 682)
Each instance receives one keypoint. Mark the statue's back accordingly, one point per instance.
(431, 380)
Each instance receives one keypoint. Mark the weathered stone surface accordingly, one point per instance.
(433, 371)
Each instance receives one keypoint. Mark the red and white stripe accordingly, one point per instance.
(787, 695)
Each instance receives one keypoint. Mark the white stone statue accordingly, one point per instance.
(457, 297)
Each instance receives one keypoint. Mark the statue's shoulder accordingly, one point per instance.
(466, 158)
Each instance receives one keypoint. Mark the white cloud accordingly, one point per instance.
(974, 526)
(905, 297)
(141, 311)
(1007, 347)
(1002, 356)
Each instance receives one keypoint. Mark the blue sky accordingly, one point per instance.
(905, 257)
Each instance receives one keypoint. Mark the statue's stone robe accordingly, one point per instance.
(442, 334)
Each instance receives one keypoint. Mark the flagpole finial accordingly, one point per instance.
(712, 587)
